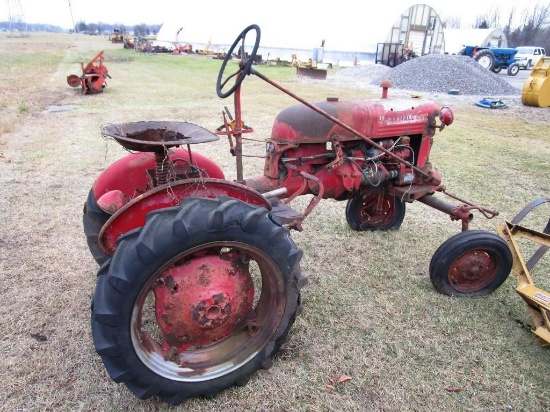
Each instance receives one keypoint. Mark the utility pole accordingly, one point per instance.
(72, 18)
(17, 24)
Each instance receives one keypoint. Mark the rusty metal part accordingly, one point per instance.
(318, 192)
(488, 213)
(93, 78)
(208, 309)
(132, 214)
(461, 213)
(203, 300)
(73, 80)
(536, 299)
(157, 136)
(341, 124)
(473, 271)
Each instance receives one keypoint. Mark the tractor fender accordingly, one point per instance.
(128, 174)
(132, 214)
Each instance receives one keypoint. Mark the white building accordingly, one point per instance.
(456, 39)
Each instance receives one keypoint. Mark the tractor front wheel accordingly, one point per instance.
(496, 69)
(375, 212)
(513, 69)
(196, 300)
(470, 263)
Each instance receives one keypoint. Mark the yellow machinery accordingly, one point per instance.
(536, 299)
(536, 89)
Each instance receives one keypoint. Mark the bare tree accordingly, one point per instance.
(534, 29)
(488, 20)
(451, 23)
(508, 26)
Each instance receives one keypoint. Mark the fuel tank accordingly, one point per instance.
(375, 119)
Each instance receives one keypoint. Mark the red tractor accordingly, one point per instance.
(200, 280)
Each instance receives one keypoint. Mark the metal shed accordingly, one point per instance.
(416, 32)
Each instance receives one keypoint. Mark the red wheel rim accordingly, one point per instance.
(473, 270)
(375, 212)
(219, 323)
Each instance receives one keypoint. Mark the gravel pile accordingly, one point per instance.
(431, 73)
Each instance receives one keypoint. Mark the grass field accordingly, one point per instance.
(370, 312)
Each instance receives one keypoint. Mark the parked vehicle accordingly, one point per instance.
(527, 56)
(493, 58)
(392, 54)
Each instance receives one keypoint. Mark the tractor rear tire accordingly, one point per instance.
(470, 263)
(93, 219)
(362, 213)
(485, 58)
(513, 69)
(197, 300)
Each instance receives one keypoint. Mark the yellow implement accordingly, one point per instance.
(536, 89)
(537, 300)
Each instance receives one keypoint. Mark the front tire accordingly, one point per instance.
(513, 69)
(470, 263)
(375, 212)
(197, 300)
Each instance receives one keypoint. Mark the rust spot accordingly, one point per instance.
(205, 275)
(169, 282)
(171, 355)
(218, 298)
(211, 316)
(253, 327)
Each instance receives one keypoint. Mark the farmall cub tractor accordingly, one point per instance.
(200, 280)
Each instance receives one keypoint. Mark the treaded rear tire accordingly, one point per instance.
(93, 219)
(173, 238)
(485, 58)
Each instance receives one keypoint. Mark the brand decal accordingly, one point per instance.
(541, 296)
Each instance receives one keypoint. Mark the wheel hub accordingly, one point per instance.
(472, 270)
(203, 300)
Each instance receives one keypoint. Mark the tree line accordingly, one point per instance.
(533, 29)
(139, 30)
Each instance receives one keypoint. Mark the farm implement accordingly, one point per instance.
(536, 298)
(200, 280)
(93, 78)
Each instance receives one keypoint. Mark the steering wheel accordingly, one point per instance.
(244, 64)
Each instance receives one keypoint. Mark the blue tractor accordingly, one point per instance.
(493, 58)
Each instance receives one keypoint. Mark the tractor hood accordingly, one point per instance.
(371, 118)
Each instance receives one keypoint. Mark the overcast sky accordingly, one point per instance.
(220, 21)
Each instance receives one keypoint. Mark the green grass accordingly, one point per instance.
(370, 311)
